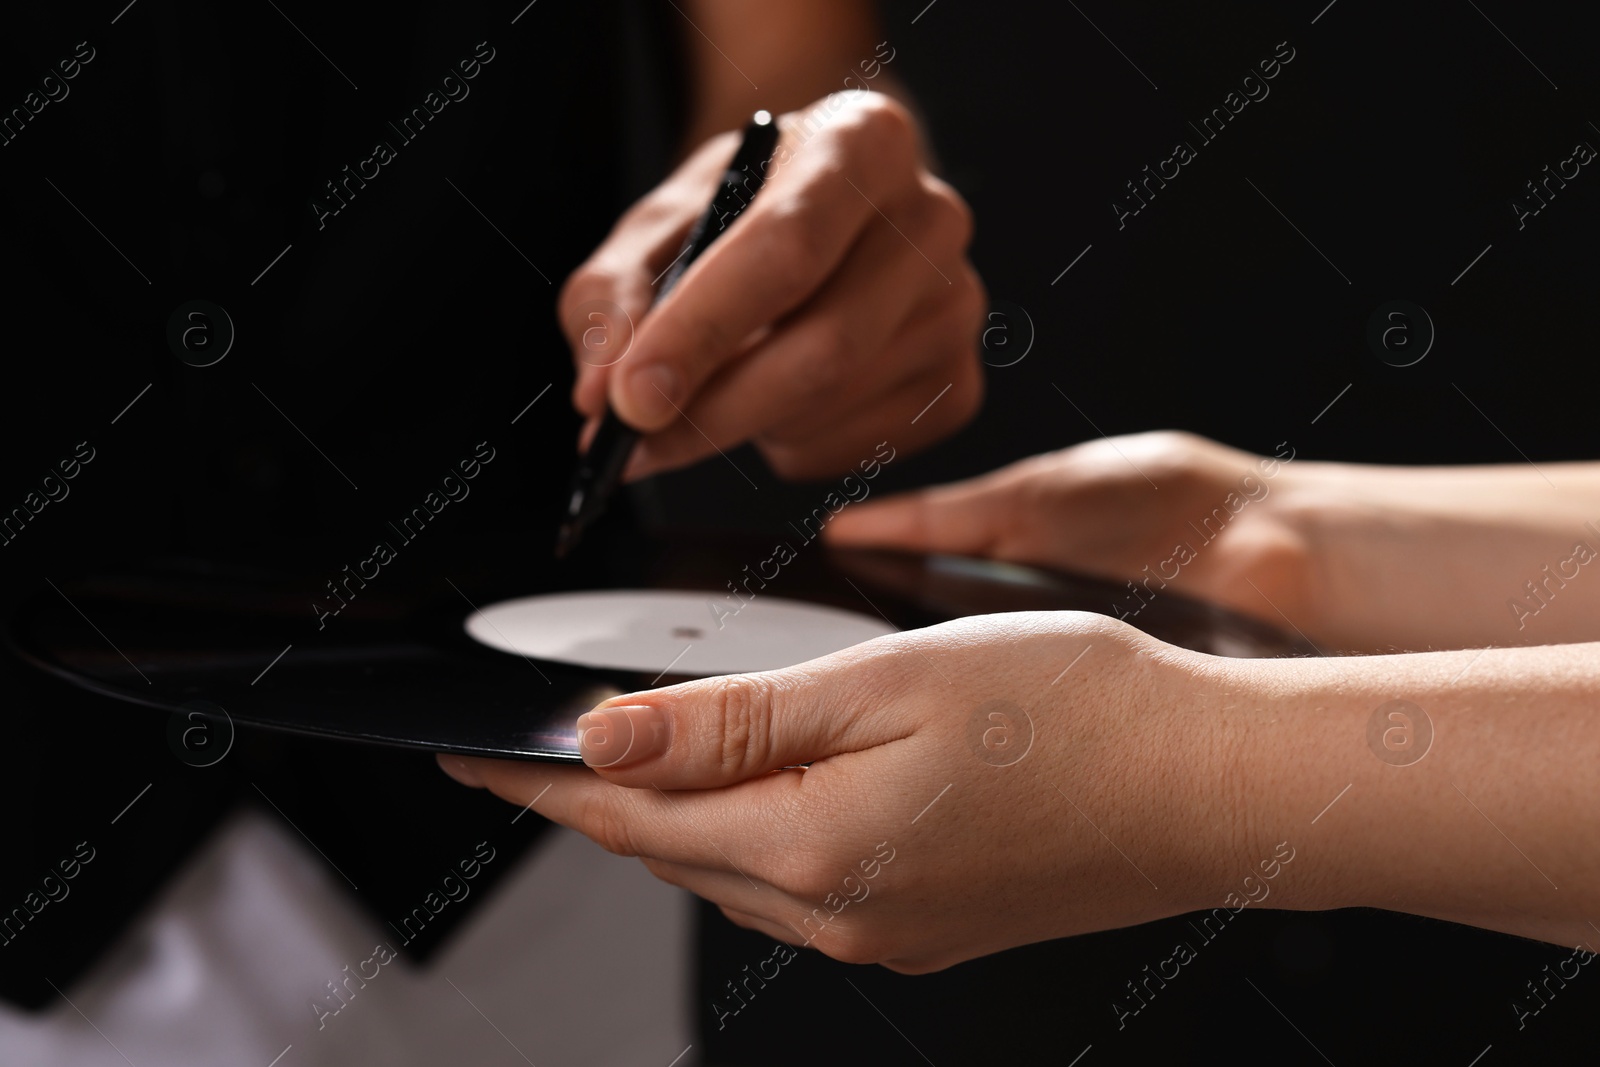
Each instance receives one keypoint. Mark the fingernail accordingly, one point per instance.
(655, 391)
(459, 769)
(620, 737)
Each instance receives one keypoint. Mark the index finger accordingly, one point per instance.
(967, 518)
(611, 291)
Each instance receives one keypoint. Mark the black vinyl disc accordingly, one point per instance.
(397, 667)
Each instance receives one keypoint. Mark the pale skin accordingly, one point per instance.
(842, 296)
(1157, 779)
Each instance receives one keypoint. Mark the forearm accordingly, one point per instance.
(1479, 808)
(1419, 558)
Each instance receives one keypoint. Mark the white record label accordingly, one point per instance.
(658, 630)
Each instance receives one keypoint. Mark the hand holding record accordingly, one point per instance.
(960, 779)
(1165, 511)
(937, 794)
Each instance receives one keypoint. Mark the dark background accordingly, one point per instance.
(1395, 140)
(408, 330)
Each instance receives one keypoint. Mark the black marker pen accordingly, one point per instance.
(600, 468)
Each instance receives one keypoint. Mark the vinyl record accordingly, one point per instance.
(470, 667)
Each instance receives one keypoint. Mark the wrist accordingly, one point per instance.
(1338, 523)
(1336, 759)
(1274, 743)
(1331, 755)
(1209, 777)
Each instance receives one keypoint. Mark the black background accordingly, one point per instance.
(408, 330)
(1395, 140)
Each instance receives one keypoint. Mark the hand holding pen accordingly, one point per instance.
(839, 310)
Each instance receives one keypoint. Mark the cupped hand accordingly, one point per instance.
(839, 300)
(973, 786)
(1155, 510)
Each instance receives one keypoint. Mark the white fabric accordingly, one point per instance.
(578, 958)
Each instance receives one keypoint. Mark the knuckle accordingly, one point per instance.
(803, 875)
(960, 404)
(1034, 497)
(661, 869)
(697, 341)
(885, 122)
(664, 207)
(966, 399)
(958, 358)
(796, 247)
(833, 354)
(1172, 443)
(742, 717)
(1177, 454)
(588, 279)
(593, 281)
(952, 214)
(970, 305)
(648, 219)
(706, 161)
(605, 826)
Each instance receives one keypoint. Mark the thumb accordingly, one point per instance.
(719, 731)
(968, 518)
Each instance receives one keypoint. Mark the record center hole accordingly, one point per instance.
(687, 633)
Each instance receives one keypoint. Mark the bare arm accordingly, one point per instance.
(1472, 802)
(1459, 785)
(1450, 557)
(1356, 557)
(1223, 784)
